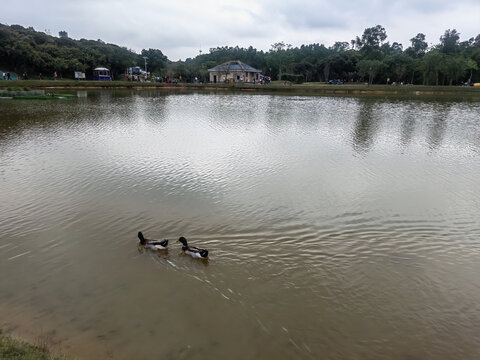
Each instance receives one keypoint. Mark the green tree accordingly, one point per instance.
(476, 41)
(370, 68)
(280, 58)
(370, 42)
(372, 37)
(454, 68)
(340, 46)
(431, 66)
(398, 65)
(449, 41)
(419, 46)
(339, 65)
(471, 65)
(157, 62)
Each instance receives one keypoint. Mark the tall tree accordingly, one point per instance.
(471, 65)
(340, 46)
(281, 58)
(157, 62)
(398, 65)
(431, 66)
(369, 44)
(372, 37)
(476, 42)
(370, 68)
(419, 46)
(449, 41)
(454, 68)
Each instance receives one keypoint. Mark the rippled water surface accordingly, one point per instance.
(338, 228)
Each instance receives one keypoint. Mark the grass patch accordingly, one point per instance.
(15, 349)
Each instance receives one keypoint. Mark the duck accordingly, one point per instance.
(153, 244)
(192, 250)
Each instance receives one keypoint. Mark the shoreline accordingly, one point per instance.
(13, 347)
(276, 87)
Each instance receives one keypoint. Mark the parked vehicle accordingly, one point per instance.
(336, 82)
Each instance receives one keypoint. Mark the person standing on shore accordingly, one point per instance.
(54, 75)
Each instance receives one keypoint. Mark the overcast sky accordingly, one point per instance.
(181, 28)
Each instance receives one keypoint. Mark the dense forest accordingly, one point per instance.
(26, 50)
(368, 58)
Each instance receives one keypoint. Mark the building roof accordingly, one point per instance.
(235, 65)
(101, 69)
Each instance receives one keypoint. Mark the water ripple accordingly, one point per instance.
(353, 218)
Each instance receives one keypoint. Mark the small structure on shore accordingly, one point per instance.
(101, 73)
(234, 71)
(79, 75)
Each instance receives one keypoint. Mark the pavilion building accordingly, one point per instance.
(234, 71)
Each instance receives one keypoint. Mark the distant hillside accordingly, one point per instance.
(26, 50)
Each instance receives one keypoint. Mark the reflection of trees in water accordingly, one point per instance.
(437, 128)
(408, 127)
(370, 116)
(43, 117)
(152, 109)
(284, 112)
(279, 113)
(365, 127)
(232, 111)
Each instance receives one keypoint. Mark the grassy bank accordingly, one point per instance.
(280, 86)
(15, 349)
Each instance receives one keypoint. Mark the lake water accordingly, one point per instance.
(338, 227)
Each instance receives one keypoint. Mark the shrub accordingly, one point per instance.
(294, 78)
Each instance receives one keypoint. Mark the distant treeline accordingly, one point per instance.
(26, 50)
(369, 58)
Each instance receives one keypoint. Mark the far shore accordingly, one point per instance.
(274, 87)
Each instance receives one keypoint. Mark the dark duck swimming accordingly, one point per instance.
(153, 244)
(192, 250)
